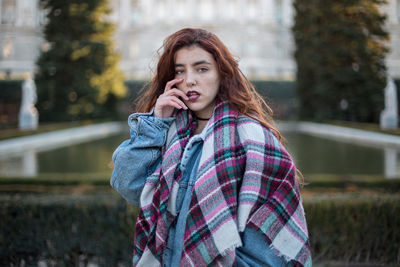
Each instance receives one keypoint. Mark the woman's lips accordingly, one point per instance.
(193, 95)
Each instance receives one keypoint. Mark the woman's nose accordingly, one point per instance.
(190, 79)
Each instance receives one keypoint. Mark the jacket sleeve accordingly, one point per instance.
(138, 157)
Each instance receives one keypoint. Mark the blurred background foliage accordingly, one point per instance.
(77, 75)
(340, 53)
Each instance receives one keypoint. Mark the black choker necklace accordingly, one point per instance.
(202, 119)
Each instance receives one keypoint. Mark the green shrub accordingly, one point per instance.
(354, 228)
(10, 99)
(280, 96)
(10, 91)
(340, 54)
(77, 73)
(66, 230)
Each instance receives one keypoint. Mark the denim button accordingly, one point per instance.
(166, 257)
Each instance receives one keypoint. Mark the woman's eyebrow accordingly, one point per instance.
(194, 64)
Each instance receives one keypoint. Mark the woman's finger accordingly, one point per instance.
(176, 92)
(167, 100)
(171, 83)
(172, 103)
(179, 102)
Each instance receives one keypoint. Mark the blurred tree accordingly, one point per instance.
(77, 75)
(340, 52)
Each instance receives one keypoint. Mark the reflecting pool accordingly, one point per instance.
(313, 155)
(89, 157)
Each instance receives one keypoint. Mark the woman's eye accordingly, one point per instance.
(203, 69)
(178, 72)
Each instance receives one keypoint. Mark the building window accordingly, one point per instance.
(252, 49)
(135, 12)
(161, 10)
(398, 11)
(182, 10)
(230, 10)
(8, 10)
(279, 12)
(28, 12)
(206, 10)
(252, 10)
(42, 14)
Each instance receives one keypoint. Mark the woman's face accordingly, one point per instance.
(201, 79)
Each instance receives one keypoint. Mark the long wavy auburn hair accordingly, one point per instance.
(234, 86)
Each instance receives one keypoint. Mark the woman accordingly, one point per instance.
(206, 167)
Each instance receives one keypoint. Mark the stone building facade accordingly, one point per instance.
(258, 33)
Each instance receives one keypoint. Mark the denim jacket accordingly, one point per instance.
(137, 158)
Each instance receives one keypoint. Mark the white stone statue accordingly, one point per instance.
(389, 116)
(28, 114)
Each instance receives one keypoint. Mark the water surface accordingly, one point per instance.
(313, 155)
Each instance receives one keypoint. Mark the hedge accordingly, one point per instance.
(10, 98)
(64, 230)
(355, 228)
(10, 90)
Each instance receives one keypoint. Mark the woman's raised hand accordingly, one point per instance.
(169, 100)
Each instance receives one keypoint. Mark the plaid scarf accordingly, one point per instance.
(245, 179)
